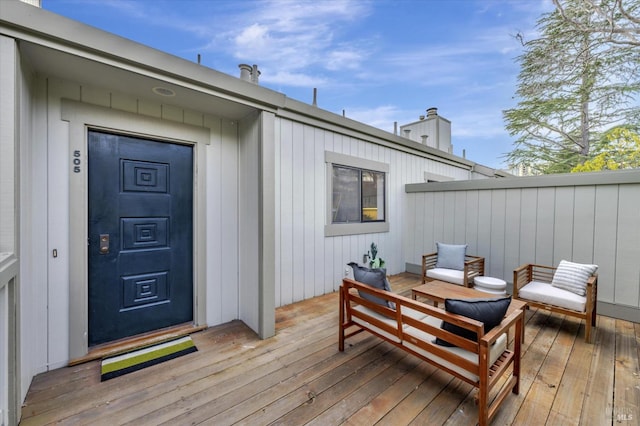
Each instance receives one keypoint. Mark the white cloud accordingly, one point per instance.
(344, 60)
(292, 35)
(288, 78)
(253, 37)
(381, 117)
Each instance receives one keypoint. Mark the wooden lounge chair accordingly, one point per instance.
(473, 267)
(533, 284)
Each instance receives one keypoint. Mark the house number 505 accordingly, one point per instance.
(76, 161)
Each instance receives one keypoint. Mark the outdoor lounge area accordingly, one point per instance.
(300, 377)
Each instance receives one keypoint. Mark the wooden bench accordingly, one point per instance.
(413, 326)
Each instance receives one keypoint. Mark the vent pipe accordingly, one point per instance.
(255, 75)
(432, 112)
(424, 139)
(395, 127)
(249, 73)
(245, 72)
(315, 96)
(406, 133)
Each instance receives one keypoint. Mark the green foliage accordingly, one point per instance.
(573, 84)
(618, 149)
(375, 262)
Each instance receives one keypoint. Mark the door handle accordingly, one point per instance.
(104, 243)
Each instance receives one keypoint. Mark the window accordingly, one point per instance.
(357, 201)
(357, 196)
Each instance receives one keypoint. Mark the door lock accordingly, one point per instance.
(104, 243)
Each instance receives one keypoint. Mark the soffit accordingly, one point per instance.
(136, 83)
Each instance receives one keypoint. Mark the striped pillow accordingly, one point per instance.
(573, 276)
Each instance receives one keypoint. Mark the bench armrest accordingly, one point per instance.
(497, 331)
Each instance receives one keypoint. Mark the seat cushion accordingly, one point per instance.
(573, 277)
(494, 352)
(546, 293)
(363, 322)
(451, 256)
(449, 275)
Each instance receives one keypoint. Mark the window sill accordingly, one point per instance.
(338, 229)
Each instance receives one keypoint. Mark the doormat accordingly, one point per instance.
(136, 360)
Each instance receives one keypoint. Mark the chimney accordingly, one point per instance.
(406, 133)
(255, 74)
(424, 139)
(245, 72)
(432, 112)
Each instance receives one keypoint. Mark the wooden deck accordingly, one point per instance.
(299, 377)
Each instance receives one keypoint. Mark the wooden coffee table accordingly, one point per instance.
(438, 291)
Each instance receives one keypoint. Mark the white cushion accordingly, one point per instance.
(573, 276)
(448, 275)
(494, 352)
(392, 322)
(546, 293)
(417, 315)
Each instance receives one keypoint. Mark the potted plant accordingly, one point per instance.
(375, 262)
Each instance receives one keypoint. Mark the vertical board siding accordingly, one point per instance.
(605, 240)
(249, 228)
(498, 221)
(597, 224)
(512, 226)
(628, 247)
(45, 162)
(309, 264)
(564, 216)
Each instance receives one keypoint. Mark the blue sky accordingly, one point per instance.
(381, 61)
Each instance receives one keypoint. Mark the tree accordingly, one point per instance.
(618, 21)
(573, 85)
(619, 149)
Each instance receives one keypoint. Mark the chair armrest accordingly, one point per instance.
(473, 267)
(592, 289)
(428, 262)
(521, 277)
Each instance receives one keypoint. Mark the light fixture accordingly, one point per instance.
(163, 91)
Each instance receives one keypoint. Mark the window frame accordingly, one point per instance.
(354, 228)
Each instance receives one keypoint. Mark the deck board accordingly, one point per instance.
(300, 377)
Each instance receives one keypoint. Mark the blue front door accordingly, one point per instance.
(140, 236)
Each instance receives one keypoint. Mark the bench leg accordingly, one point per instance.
(341, 322)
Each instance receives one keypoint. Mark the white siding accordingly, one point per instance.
(309, 264)
(587, 223)
(13, 383)
(248, 242)
(45, 215)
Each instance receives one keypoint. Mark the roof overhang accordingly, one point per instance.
(59, 47)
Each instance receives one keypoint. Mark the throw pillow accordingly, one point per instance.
(488, 311)
(451, 256)
(376, 278)
(573, 276)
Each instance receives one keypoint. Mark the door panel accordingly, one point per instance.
(140, 236)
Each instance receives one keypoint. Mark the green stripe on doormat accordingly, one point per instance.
(145, 357)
